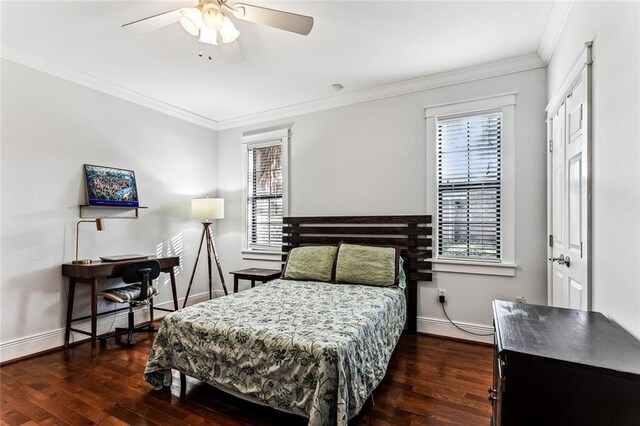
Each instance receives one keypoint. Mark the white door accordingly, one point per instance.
(569, 275)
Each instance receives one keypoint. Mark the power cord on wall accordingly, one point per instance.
(442, 299)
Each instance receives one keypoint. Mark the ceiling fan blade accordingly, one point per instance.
(287, 21)
(232, 52)
(152, 23)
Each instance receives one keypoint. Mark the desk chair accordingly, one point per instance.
(138, 294)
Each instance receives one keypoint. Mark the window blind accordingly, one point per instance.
(264, 196)
(469, 187)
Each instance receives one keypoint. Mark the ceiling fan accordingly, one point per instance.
(210, 21)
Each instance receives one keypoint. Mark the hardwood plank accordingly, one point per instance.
(150, 413)
(382, 240)
(75, 404)
(129, 417)
(359, 230)
(406, 253)
(54, 406)
(112, 421)
(92, 397)
(25, 406)
(422, 264)
(430, 381)
(12, 416)
(419, 276)
(357, 219)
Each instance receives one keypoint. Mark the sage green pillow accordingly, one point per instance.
(372, 265)
(310, 263)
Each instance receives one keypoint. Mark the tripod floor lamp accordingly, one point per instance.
(207, 209)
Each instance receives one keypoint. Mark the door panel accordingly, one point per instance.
(575, 294)
(558, 278)
(559, 179)
(558, 193)
(569, 198)
(575, 197)
(575, 122)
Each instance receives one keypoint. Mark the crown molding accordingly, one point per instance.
(464, 75)
(573, 78)
(556, 21)
(22, 57)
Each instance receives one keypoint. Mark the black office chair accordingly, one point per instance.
(138, 294)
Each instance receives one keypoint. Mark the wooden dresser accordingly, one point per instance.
(556, 366)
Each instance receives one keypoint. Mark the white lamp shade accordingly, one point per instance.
(191, 20)
(207, 208)
(228, 31)
(208, 36)
(212, 17)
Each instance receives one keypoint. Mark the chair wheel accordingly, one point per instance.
(103, 343)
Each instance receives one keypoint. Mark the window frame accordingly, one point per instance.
(258, 140)
(504, 103)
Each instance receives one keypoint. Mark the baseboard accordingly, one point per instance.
(42, 342)
(442, 327)
(25, 346)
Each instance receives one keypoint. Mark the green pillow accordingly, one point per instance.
(313, 263)
(372, 265)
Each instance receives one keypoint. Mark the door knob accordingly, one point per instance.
(562, 260)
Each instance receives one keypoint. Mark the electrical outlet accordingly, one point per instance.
(442, 298)
(521, 299)
(442, 292)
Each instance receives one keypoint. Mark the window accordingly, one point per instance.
(265, 163)
(471, 185)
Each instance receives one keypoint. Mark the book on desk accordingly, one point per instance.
(124, 257)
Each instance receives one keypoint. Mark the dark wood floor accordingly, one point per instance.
(430, 381)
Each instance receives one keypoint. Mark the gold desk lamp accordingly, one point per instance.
(99, 226)
(207, 209)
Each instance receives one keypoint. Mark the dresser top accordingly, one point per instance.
(588, 339)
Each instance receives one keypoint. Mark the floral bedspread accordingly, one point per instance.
(307, 348)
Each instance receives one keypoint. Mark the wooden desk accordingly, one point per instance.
(253, 275)
(90, 274)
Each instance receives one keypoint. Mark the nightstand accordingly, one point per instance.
(253, 275)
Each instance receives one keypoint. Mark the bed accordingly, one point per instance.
(314, 349)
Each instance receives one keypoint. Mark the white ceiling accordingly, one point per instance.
(361, 45)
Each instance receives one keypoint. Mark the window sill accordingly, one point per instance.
(266, 255)
(476, 268)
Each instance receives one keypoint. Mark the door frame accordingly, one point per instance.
(582, 69)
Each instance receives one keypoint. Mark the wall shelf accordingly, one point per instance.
(83, 215)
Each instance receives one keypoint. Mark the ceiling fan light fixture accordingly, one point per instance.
(212, 17)
(191, 20)
(208, 36)
(228, 31)
(239, 11)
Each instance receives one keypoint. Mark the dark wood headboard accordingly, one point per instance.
(411, 233)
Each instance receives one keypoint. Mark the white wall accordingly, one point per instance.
(370, 159)
(50, 128)
(614, 29)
